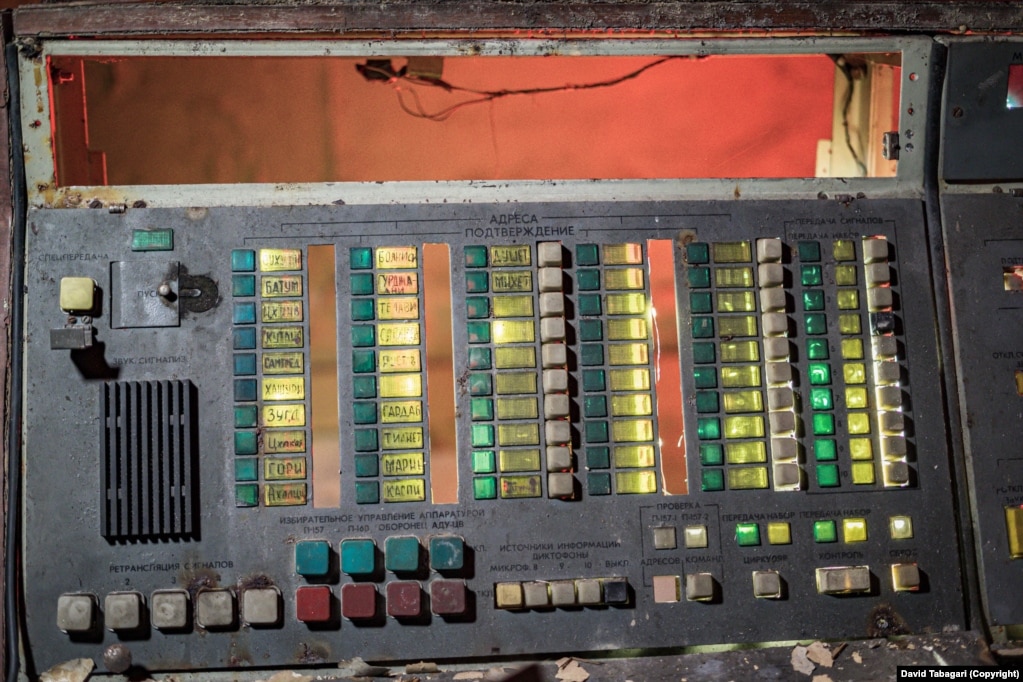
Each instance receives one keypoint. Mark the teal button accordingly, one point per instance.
(401, 552)
(243, 285)
(596, 432)
(244, 313)
(246, 469)
(712, 480)
(825, 450)
(817, 349)
(161, 239)
(479, 332)
(367, 466)
(475, 256)
(697, 253)
(587, 254)
(703, 327)
(363, 361)
(365, 412)
(362, 310)
(588, 280)
(589, 305)
(594, 406)
(591, 354)
(363, 335)
(708, 428)
(477, 307)
(598, 457)
(482, 436)
(360, 258)
(705, 377)
(815, 323)
(483, 462)
(704, 353)
(243, 260)
(243, 339)
(823, 424)
(244, 364)
(591, 330)
(711, 454)
(358, 557)
(747, 534)
(594, 380)
(484, 488)
(362, 283)
(367, 492)
(245, 442)
(312, 558)
(481, 383)
(701, 302)
(825, 531)
(366, 440)
(245, 416)
(699, 278)
(447, 553)
(364, 387)
(245, 390)
(820, 373)
(479, 358)
(598, 483)
(477, 282)
(813, 299)
(482, 409)
(246, 495)
(809, 251)
(706, 401)
(811, 275)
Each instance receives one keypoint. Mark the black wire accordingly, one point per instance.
(847, 72)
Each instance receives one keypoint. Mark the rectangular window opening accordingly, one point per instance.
(326, 453)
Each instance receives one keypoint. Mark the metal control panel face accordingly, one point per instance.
(555, 427)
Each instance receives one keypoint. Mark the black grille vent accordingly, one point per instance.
(149, 460)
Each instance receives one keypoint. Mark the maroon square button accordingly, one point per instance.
(403, 599)
(358, 600)
(313, 604)
(447, 597)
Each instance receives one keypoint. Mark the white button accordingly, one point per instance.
(76, 612)
(780, 398)
(536, 595)
(886, 372)
(548, 254)
(554, 355)
(552, 304)
(892, 422)
(885, 346)
(552, 329)
(169, 609)
(876, 274)
(555, 380)
(695, 537)
(782, 422)
(261, 606)
(549, 279)
(557, 432)
(562, 593)
(779, 372)
(875, 250)
(122, 610)
(556, 405)
(560, 485)
(768, 250)
(776, 348)
(588, 591)
(214, 608)
(770, 275)
(787, 475)
(879, 298)
(784, 449)
(664, 538)
(775, 324)
(772, 299)
(559, 458)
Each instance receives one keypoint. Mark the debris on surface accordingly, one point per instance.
(819, 653)
(75, 670)
(494, 674)
(856, 657)
(421, 667)
(800, 662)
(569, 670)
(360, 668)
(822, 678)
(289, 676)
(470, 675)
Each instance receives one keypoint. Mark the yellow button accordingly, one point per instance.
(401, 411)
(901, 527)
(398, 334)
(640, 482)
(284, 494)
(397, 258)
(863, 473)
(512, 306)
(284, 388)
(391, 283)
(624, 278)
(747, 478)
(623, 254)
(514, 331)
(503, 282)
(276, 260)
(633, 456)
(743, 401)
(280, 286)
(508, 595)
(519, 460)
(634, 405)
(1014, 526)
(514, 487)
(737, 325)
(739, 351)
(736, 302)
(403, 464)
(401, 386)
(633, 430)
(282, 337)
(626, 304)
(400, 360)
(401, 437)
(283, 415)
(627, 354)
(630, 380)
(281, 311)
(397, 308)
(746, 452)
(283, 441)
(845, 275)
(848, 299)
(861, 449)
(854, 530)
(856, 398)
(744, 427)
(510, 256)
(515, 358)
(510, 383)
(284, 468)
(843, 249)
(628, 329)
(77, 294)
(731, 252)
(404, 490)
(283, 363)
(859, 423)
(734, 278)
(745, 376)
(518, 434)
(517, 408)
(854, 373)
(849, 323)
(779, 533)
(852, 349)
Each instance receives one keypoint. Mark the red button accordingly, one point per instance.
(313, 604)
(403, 599)
(447, 597)
(358, 600)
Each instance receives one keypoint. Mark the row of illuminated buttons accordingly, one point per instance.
(274, 494)
(637, 482)
(623, 430)
(540, 594)
(270, 312)
(585, 254)
(597, 457)
(773, 300)
(770, 251)
(270, 286)
(360, 557)
(780, 533)
(270, 260)
(269, 337)
(779, 349)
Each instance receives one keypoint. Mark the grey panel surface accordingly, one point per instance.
(507, 539)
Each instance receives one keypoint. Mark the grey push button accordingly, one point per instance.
(123, 611)
(261, 606)
(214, 608)
(843, 580)
(76, 612)
(169, 609)
(144, 294)
(536, 595)
(766, 585)
(699, 587)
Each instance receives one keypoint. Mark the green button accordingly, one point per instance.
(706, 401)
(589, 304)
(246, 469)
(481, 384)
(364, 387)
(813, 299)
(360, 258)
(479, 332)
(244, 364)
(703, 327)
(482, 436)
(246, 495)
(243, 260)
(243, 285)
(825, 531)
(477, 282)
(362, 284)
(809, 251)
(598, 483)
(594, 380)
(701, 302)
(475, 256)
(587, 254)
(815, 323)
(362, 309)
(591, 354)
(590, 330)
(588, 280)
(447, 553)
(366, 440)
(594, 406)
(823, 424)
(747, 534)
(363, 361)
(712, 480)
(484, 488)
(699, 278)
(152, 240)
(827, 475)
(820, 373)
(811, 275)
(483, 462)
(711, 454)
(697, 253)
(245, 442)
(363, 335)
(825, 450)
(598, 457)
(401, 552)
(358, 557)
(482, 409)
(365, 412)
(367, 492)
(479, 358)
(477, 307)
(705, 377)
(596, 432)
(367, 466)
(817, 349)
(243, 339)
(704, 353)
(708, 428)
(312, 557)
(244, 313)
(245, 416)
